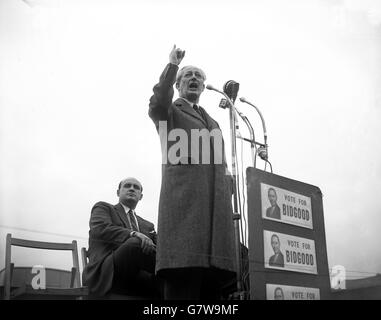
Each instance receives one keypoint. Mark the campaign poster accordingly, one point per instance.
(282, 292)
(287, 252)
(286, 206)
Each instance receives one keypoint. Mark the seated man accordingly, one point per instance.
(122, 246)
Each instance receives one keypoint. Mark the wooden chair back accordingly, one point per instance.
(10, 241)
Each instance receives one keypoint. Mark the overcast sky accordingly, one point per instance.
(76, 78)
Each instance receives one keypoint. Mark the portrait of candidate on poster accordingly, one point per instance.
(282, 292)
(287, 252)
(277, 259)
(286, 206)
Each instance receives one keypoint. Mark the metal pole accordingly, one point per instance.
(236, 215)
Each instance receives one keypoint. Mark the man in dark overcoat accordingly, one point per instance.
(195, 249)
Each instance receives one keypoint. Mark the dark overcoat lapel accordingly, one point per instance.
(187, 108)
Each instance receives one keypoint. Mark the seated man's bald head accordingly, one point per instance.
(132, 180)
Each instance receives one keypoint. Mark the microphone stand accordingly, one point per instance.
(264, 153)
(252, 137)
(236, 214)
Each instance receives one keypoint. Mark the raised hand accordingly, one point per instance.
(176, 55)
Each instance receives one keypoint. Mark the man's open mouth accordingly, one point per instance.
(193, 85)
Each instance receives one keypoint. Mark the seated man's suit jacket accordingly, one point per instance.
(109, 229)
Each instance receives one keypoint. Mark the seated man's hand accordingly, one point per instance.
(147, 245)
(176, 55)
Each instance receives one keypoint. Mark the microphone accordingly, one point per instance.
(210, 87)
(231, 89)
(223, 101)
(223, 104)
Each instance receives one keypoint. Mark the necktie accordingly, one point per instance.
(132, 220)
(197, 109)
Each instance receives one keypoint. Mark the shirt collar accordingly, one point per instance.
(190, 103)
(127, 209)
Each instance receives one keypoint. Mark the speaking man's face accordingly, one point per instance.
(272, 197)
(275, 244)
(191, 84)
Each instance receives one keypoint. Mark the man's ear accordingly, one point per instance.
(177, 85)
(117, 192)
(141, 197)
